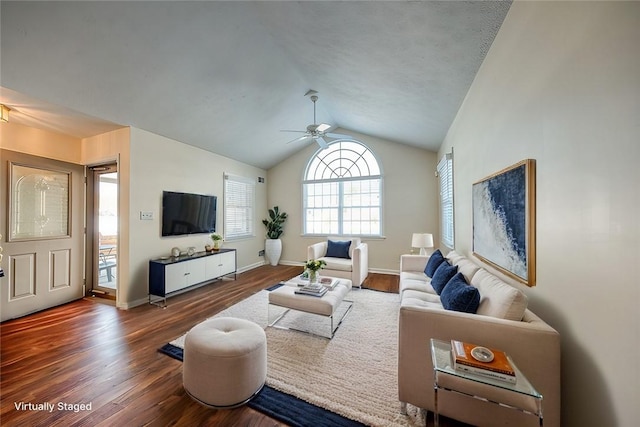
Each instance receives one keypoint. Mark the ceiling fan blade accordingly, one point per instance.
(337, 136)
(302, 138)
(296, 131)
(321, 142)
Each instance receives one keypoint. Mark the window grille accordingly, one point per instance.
(342, 191)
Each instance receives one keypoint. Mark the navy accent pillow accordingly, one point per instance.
(434, 262)
(338, 249)
(443, 274)
(460, 296)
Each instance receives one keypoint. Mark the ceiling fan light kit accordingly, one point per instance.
(316, 132)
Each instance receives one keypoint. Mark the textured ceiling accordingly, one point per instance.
(228, 76)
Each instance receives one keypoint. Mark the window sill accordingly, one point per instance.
(324, 236)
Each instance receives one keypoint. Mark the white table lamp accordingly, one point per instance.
(422, 241)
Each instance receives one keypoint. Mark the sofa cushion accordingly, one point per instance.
(443, 274)
(467, 267)
(338, 249)
(413, 275)
(498, 298)
(420, 299)
(342, 264)
(458, 295)
(410, 280)
(434, 262)
(453, 257)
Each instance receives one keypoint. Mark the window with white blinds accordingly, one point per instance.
(445, 175)
(239, 207)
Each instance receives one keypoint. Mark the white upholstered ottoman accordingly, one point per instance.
(225, 362)
(286, 296)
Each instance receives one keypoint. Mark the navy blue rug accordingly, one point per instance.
(274, 287)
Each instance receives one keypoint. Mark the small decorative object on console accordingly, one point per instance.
(175, 252)
(217, 241)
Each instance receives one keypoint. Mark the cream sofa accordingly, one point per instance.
(502, 321)
(354, 267)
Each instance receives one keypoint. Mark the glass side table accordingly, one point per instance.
(521, 396)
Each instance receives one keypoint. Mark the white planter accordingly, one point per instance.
(273, 250)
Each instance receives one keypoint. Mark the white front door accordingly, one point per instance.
(42, 223)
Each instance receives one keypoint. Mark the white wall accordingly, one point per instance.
(37, 142)
(159, 163)
(561, 85)
(410, 195)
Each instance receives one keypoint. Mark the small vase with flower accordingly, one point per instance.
(312, 267)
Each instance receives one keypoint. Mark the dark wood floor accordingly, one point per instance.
(91, 353)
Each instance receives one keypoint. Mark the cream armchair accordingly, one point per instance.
(351, 263)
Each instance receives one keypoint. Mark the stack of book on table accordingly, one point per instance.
(314, 289)
(329, 282)
(477, 360)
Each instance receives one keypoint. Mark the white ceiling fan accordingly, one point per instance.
(317, 132)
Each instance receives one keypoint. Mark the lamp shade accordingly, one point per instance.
(422, 241)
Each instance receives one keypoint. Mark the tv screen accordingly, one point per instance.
(185, 213)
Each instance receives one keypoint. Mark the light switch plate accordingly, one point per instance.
(146, 215)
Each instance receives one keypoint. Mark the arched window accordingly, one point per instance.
(342, 191)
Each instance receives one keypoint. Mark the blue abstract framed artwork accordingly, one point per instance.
(504, 206)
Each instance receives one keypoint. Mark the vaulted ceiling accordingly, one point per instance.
(229, 76)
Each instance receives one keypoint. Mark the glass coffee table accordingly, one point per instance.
(521, 396)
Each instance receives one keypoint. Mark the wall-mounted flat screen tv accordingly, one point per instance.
(185, 213)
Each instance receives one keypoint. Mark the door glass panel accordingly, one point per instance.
(107, 226)
(39, 203)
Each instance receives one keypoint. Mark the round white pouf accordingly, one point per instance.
(225, 362)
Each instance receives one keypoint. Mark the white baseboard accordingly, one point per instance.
(371, 270)
(136, 303)
(296, 263)
(250, 267)
(384, 271)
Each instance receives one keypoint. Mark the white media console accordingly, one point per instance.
(173, 275)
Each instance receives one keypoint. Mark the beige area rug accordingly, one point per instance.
(354, 374)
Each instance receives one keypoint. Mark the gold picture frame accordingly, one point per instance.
(504, 221)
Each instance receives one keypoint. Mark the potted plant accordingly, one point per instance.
(217, 241)
(273, 245)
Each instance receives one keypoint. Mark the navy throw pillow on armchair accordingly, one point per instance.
(441, 277)
(338, 249)
(434, 262)
(460, 296)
